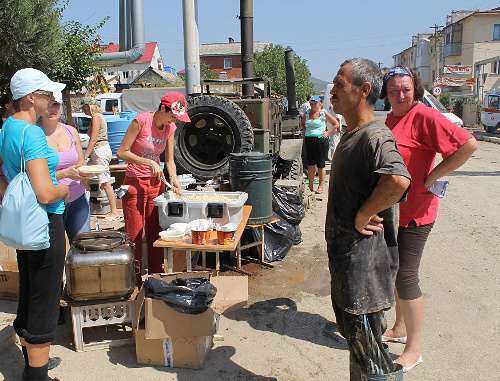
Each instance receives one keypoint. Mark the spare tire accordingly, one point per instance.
(218, 128)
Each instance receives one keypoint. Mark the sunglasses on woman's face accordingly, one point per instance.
(43, 92)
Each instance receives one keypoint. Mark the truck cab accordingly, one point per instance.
(490, 111)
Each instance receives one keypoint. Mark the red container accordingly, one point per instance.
(225, 238)
(200, 237)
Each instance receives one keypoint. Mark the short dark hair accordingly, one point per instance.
(418, 85)
(167, 109)
(365, 70)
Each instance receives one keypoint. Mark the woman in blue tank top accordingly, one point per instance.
(316, 138)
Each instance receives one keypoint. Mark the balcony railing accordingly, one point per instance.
(452, 49)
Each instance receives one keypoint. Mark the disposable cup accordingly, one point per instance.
(200, 237)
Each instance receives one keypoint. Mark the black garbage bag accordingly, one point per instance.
(280, 237)
(288, 206)
(190, 296)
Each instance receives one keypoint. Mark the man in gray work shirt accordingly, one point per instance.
(368, 178)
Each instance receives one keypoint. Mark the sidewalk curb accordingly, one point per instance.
(486, 137)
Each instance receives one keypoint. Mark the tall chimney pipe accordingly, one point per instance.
(290, 82)
(246, 17)
(191, 46)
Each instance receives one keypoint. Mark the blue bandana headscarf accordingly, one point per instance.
(398, 70)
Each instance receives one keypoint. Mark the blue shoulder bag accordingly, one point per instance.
(24, 224)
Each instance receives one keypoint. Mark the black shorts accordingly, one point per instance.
(40, 276)
(317, 151)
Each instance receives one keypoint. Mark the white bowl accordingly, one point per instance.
(178, 227)
(169, 235)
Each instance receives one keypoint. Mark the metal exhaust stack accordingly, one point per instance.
(191, 46)
(130, 11)
(246, 17)
(290, 82)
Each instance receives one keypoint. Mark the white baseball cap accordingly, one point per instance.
(58, 97)
(28, 80)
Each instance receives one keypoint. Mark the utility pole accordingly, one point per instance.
(436, 29)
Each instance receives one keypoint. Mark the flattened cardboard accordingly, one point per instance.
(9, 280)
(180, 352)
(232, 293)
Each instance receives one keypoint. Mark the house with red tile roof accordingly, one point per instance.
(127, 72)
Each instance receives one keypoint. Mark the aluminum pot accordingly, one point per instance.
(100, 265)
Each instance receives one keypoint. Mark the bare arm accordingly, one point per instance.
(170, 164)
(3, 179)
(452, 162)
(333, 121)
(389, 190)
(303, 122)
(94, 133)
(126, 155)
(46, 192)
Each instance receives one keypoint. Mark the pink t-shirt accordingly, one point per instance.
(421, 134)
(150, 143)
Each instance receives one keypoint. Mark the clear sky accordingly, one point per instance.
(324, 32)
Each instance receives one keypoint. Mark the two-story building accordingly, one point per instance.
(225, 58)
(127, 72)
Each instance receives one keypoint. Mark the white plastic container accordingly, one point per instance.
(173, 208)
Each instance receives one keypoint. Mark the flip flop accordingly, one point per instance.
(400, 340)
(319, 191)
(112, 218)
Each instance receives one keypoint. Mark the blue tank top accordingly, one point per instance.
(315, 127)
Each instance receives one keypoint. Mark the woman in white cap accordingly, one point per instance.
(99, 152)
(147, 137)
(40, 272)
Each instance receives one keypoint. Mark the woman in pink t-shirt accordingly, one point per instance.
(420, 132)
(147, 137)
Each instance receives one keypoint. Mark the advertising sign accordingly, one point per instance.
(457, 69)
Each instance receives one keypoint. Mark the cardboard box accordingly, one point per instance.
(166, 337)
(180, 352)
(232, 293)
(9, 280)
(163, 321)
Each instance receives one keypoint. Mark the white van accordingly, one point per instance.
(490, 111)
(383, 107)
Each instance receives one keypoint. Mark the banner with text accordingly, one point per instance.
(448, 81)
(457, 69)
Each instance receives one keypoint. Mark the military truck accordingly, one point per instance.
(224, 121)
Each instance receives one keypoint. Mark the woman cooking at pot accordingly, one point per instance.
(420, 132)
(147, 137)
(316, 138)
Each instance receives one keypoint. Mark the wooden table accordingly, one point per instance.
(186, 245)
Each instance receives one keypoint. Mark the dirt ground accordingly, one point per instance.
(288, 330)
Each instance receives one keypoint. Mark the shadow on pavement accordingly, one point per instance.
(212, 369)
(280, 315)
(11, 362)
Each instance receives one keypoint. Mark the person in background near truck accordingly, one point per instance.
(65, 141)
(40, 271)
(316, 138)
(100, 153)
(367, 180)
(334, 137)
(305, 106)
(421, 132)
(146, 138)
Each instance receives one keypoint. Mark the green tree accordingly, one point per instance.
(206, 71)
(271, 64)
(30, 36)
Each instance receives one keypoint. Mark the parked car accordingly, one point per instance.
(490, 111)
(81, 122)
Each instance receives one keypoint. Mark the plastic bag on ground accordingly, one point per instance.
(288, 206)
(190, 296)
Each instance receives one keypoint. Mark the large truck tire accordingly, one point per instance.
(292, 170)
(218, 128)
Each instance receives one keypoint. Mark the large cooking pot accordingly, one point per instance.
(100, 265)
